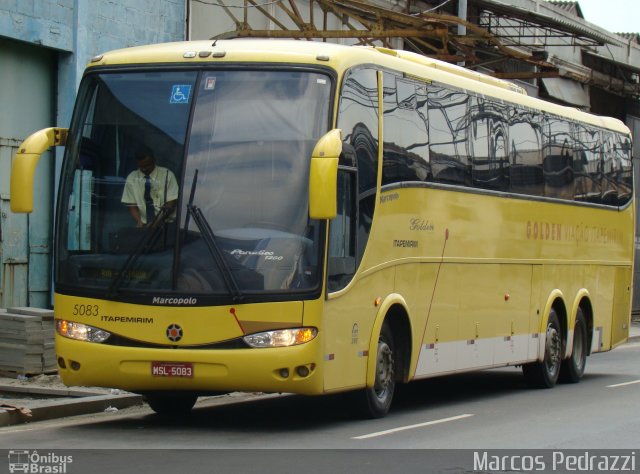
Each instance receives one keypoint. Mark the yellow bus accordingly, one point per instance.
(301, 217)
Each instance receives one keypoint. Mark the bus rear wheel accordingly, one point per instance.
(572, 368)
(374, 402)
(171, 404)
(545, 374)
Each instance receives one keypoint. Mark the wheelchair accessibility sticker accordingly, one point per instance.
(180, 94)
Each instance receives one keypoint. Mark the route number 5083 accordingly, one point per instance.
(86, 310)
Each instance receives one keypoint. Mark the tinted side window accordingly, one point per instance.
(358, 119)
(448, 148)
(406, 139)
(609, 170)
(525, 152)
(342, 235)
(557, 159)
(587, 164)
(623, 170)
(488, 144)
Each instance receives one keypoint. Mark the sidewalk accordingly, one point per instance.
(44, 397)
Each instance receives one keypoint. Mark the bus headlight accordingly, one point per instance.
(81, 332)
(281, 337)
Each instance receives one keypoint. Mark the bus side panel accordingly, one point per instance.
(621, 306)
(479, 318)
(602, 301)
(348, 324)
(438, 351)
(513, 337)
(536, 308)
(414, 281)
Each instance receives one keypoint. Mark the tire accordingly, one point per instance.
(171, 404)
(375, 402)
(573, 367)
(545, 374)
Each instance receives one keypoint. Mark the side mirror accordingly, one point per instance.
(323, 176)
(24, 165)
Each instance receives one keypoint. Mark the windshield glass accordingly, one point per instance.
(219, 207)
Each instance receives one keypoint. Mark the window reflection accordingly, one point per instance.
(623, 170)
(119, 114)
(587, 164)
(483, 142)
(488, 144)
(406, 138)
(247, 172)
(557, 159)
(358, 119)
(448, 134)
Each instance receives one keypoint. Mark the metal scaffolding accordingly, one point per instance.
(509, 39)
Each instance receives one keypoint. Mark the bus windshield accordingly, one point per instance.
(192, 182)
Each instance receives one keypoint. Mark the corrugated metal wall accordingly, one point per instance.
(27, 85)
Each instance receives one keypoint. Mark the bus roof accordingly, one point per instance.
(340, 58)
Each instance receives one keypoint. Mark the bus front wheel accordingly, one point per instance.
(545, 374)
(374, 402)
(171, 404)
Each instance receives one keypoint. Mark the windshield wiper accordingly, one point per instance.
(148, 240)
(211, 242)
(215, 251)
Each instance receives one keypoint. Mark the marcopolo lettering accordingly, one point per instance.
(175, 301)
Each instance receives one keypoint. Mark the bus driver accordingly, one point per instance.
(149, 190)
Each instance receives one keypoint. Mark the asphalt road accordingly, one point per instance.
(489, 410)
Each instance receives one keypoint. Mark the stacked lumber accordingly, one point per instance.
(26, 341)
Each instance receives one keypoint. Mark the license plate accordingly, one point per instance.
(171, 369)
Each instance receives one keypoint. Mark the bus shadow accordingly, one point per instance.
(296, 413)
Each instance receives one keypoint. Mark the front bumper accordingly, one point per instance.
(220, 370)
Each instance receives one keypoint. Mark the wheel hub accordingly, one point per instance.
(384, 369)
(553, 349)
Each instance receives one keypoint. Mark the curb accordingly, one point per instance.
(89, 402)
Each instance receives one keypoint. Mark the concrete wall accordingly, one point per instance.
(27, 75)
(57, 38)
(40, 22)
(80, 29)
(103, 25)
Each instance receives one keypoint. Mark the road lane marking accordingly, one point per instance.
(412, 427)
(623, 384)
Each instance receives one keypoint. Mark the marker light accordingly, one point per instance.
(81, 332)
(281, 337)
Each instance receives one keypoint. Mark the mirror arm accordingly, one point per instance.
(24, 166)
